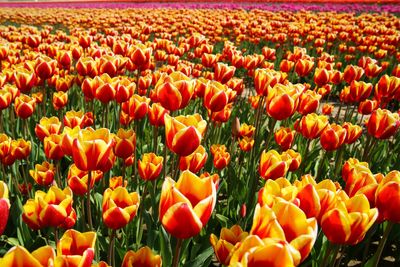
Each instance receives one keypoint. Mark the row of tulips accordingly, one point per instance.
(107, 130)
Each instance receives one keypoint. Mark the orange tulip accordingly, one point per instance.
(150, 166)
(312, 125)
(5, 146)
(265, 79)
(272, 166)
(387, 197)
(186, 205)
(51, 209)
(156, 114)
(277, 222)
(91, 150)
(174, 91)
(106, 92)
(216, 96)
(119, 207)
(76, 249)
(275, 190)
(303, 67)
(45, 67)
(225, 245)
(24, 79)
(349, 221)
(20, 149)
(353, 132)
(5, 99)
(254, 251)
(221, 159)
(125, 143)
(286, 65)
(382, 123)
(124, 89)
(333, 137)
(43, 174)
(52, 147)
(184, 133)
(246, 130)
(4, 206)
(223, 73)
(136, 107)
(140, 55)
(60, 100)
(282, 101)
(308, 102)
(78, 180)
(284, 138)
(195, 161)
(327, 109)
(143, 257)
(321, 76)
(352, 73)
(208, 60)
(246, 144)
(24, 106)
(293, 158)
(18, 256)
(47, 126)
(77, 118)
(87, 66)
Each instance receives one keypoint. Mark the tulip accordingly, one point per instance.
(77, 118)
(387, 197)
(353, 132)
(312, 125)
(265, 79)
(367, 106)
(382, 123)
(272, 166)
(274, 190)
(136, 107)
(221, 159)
(78, 180)
(303, 67)
(225, 245)
(5, 146)
(85, 40)
(119, 207)
(223, 73)
(150, 166)
(24, 79)
(64, 58)
(286, 65)
(43, 174)
(174, 91)
(184, 133)
(195, 161)
(125, 143)
(5, 99)
(216, 96)
(18, 256)
(4, 206)
(321, 77)
(52, 147)
(186, 205)
(208, 60)
(246, 130)
(349, 221)
(221, 116)
(87, 66)
(117, 181)
(308, 102)
(140, 55)
(92, 149)
(327, 109)
(76, 248)
(156, 114)
(246, 144)
(143, 257)
(277, 222)
(293, 158)
(60, 100)
(47, 127)
(20, 149)
(254, 251)
(124, 89)
(284, 137)
(51, 209)
(352, 73)
(45, 67)
(105, 92)
(333, 137)
(24, 106)
(282, 101)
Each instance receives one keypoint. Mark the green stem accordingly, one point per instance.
(177, 252)
(327, 254)
(89, 212)
(155, 137)
(139, 229)
(378, 253)
(321, 165)
(111, 248)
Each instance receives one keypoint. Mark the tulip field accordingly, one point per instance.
(199, 134)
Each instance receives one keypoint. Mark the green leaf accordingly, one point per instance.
(165, 247)
(203, 259)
